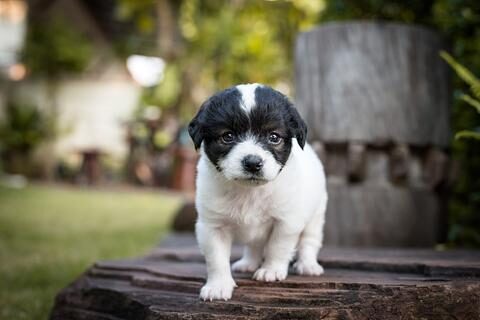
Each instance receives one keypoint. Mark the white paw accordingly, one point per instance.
(244, 265)
(270, 274)
(217, 290)
(308, 268)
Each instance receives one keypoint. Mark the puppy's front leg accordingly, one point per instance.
(278, 253)
(215, 244)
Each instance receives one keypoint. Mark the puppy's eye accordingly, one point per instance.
(228, 137)
(274, 138)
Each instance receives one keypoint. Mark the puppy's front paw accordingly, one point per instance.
(245, 265)
(217, 290)
(308, 268)
(270, 274)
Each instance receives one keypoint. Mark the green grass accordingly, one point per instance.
(50, 235)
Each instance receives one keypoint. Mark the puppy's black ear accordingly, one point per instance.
(298, 126)
(195, 128)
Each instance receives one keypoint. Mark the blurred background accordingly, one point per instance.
(95, 161)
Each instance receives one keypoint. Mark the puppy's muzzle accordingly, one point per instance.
(252, 163)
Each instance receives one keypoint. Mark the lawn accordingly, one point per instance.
(50, 235)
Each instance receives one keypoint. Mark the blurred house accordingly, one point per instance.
(91, 107)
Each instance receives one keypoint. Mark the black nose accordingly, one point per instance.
(252, 163)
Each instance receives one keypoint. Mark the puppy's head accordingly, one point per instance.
(247, 132)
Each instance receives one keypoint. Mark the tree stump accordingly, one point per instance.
(376, 98)
(357, 284)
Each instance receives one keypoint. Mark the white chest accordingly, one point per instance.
(249, 208)
(248, 212)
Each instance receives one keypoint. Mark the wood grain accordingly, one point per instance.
(358, 284)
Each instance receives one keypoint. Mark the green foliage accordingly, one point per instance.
(471, 101)
(167, 92)
(225, 42)
(50, 235)
(464, 74)
(141, 12)
(409, 11)
(465, 223)
(474, 84)
(232, 45)
(24, 127)
(228, 43)
(140, 35)
(467, 134)
(53, 47)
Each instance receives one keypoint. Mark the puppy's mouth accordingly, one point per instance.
(252, 180)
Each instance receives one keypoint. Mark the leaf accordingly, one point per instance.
(467, 134)
(463, 73)
(471, 101)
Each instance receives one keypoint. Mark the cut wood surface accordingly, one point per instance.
(357, 284)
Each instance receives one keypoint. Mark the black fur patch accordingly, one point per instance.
(222, 113)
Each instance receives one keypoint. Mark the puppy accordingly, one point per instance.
(258, 182)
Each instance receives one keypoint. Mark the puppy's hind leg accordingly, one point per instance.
(309, 245)
(251, 259)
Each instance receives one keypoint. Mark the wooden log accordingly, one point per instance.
(436, 167)
(319, 149)
(376, 96)
(399, 163)
(357, 284)
(336, 163)
(380, 216)
(367, 81)
(356, 159)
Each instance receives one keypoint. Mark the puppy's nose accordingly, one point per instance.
(252, 163)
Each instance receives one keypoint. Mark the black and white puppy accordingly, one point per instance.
(258, 182)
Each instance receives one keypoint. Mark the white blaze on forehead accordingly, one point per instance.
(248, 95)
